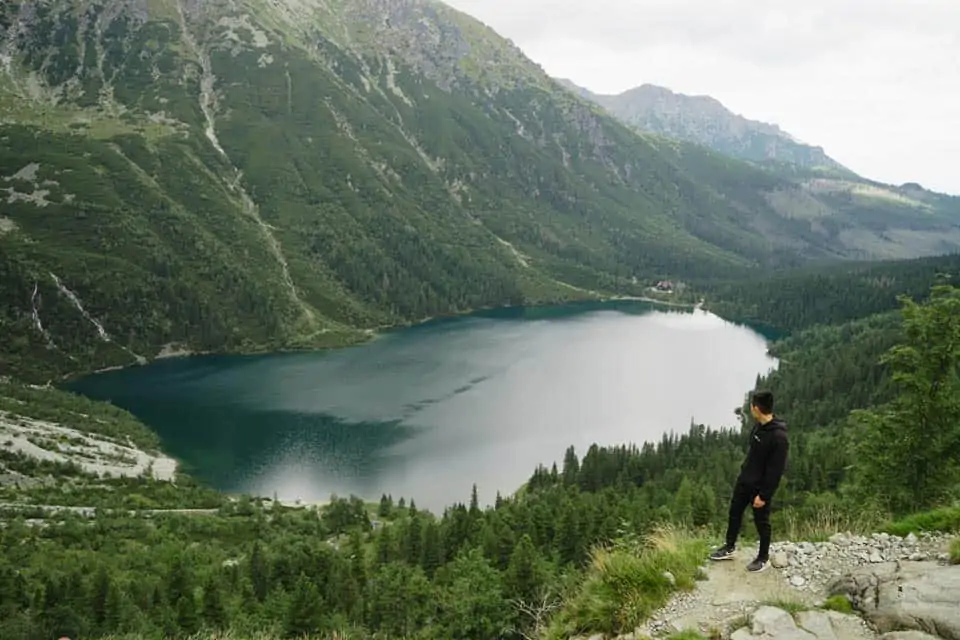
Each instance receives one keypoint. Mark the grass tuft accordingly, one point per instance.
(955, 551)
(790, 606)
(687, 634)
(839, 603)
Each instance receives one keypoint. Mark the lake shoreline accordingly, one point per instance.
(369, 390)
(176, 351)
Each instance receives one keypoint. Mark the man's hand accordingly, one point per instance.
(758, 503)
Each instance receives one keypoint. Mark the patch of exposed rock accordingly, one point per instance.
(812, 566)
(806, 574)
(773, 623)
(906, 596)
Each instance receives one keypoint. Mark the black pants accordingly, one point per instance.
(743, 498)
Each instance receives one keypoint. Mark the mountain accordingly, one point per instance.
(866, 219)
(233, 175)
(706, 121)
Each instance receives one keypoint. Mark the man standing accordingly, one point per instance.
(759, 478)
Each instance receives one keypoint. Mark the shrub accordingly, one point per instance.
(628, 580)
(945, 519)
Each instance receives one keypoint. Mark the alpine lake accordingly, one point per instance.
(429, 411)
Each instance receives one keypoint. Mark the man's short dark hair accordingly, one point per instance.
(763, 401)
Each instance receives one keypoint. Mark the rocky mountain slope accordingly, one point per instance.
(704, 120)
(868, 217)
(241, 174)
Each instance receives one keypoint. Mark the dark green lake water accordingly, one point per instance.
(428, 411)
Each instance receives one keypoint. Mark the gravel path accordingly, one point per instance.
(799, 577)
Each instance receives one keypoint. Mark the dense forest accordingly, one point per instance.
(828, 294)
(580, 548)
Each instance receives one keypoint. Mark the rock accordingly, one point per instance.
(919, 596)
(669, 577)
(743, 633)
(875, 557)
(772, 622)
(798, 581)
(911, 539)
(779, 560)
(907, 635)
(818, 623)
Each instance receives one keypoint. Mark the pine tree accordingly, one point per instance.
(358, 572)
(386, 506)
(101, 592)
(523, 577)
(385, 552)
(474, 503)
(413, 539)
(214, 612)
(704, 505)
(432, 551)
(187, 617)
(683, 502)
(305, 612)
(114, 612)
(571, 467)
(909, 453)
(569, 542)
(179, 582)
(259, 573)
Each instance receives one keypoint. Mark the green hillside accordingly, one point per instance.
(241, 175)
(834, 294)
(581, 550)
(807, 193)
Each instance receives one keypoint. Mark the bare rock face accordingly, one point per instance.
(773, 623)
(898, 597)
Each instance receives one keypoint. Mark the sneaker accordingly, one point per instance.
(723, 553)
(758, 565)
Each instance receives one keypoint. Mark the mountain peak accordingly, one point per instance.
(705, 120)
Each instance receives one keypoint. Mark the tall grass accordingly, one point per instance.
(818, 523)
(238, 635)
(955, 551)
(945, 519)
(627, 581)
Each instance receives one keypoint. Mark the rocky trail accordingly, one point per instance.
(900, 589)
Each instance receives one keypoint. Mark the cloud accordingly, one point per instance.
(876, 83)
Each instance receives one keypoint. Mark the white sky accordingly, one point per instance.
(874, 82)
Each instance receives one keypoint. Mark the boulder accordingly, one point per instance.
(907, 635)
(777, 624)
(818, 623)
(915, 596)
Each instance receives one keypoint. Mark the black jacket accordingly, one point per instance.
(766, 459)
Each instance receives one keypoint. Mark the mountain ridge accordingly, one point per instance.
(704, 119)
(243, 175)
